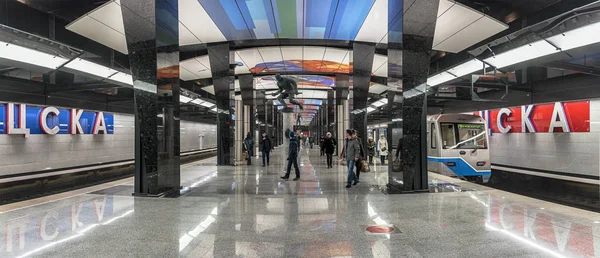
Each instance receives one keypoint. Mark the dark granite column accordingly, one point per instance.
(413, 36)
(248, 99)
(152, 34)
(362, 56)
(330, 111)
(223, 80)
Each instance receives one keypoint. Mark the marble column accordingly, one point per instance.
(220, 58)
(152, 34)
(413, 37)
(248, 100)
(329, 119)
(239, 129)
(342, 88)
(362, 65)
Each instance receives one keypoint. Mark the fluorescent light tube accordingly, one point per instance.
(197, 101)
(85, 66)
(122, 78)
(184, 99)
(579, 37)
(30, 56)
(440, 78)
(522, 54)
(466, 68)
(207, 104)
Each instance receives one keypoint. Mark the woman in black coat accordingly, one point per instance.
(329, 144)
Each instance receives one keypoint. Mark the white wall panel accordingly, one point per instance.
(39, 152)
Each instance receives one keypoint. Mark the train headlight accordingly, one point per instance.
(451, 164)
(481, 163)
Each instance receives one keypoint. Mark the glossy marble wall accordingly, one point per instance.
(152, 33)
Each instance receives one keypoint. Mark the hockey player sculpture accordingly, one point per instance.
(288, 88)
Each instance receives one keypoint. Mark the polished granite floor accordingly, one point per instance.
(247, 211)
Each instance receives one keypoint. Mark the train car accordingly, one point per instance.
(458, 146)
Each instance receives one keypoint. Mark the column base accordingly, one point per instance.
(173, 193)
(393, 189)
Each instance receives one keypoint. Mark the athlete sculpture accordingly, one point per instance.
(288, 89)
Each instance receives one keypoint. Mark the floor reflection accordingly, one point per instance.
(247, 211)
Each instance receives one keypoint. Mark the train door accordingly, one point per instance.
(432, 147)
(448, 148)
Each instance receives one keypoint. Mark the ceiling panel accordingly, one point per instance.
(380, 65)
(273, 58)
(371, 30)
(194, 17)
(459, 27)
(103, 25)
(251, 57)
(475, 32)
(243, 68)
(453, 20)
(333, 60)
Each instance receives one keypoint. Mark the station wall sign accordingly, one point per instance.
(23, 119)
(559, 117)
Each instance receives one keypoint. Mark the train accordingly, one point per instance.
(458, 146)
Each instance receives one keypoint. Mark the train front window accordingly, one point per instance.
(471, 136)
(448, 135)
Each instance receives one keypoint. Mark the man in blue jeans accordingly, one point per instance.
(352, 154)
(292, 158)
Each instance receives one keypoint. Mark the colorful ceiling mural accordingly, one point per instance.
(302, 66)
(312, 19)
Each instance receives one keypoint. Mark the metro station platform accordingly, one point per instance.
(248, 211)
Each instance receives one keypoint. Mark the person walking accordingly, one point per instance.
(249, 144)
(265, 147)
(329, 144)
(292, 158)
(382, 147)
(352, 154)
(371, 149)
(311, 141)
(362, 156)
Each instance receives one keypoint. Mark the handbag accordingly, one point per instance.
(244, 155)
(383, 149)
(397, 165)
(365, 166)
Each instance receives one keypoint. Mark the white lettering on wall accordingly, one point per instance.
(99, 124)
(74, 121)
(526, 124)
(559, 119)
(501, 128)
(44, 122)
(21, 120)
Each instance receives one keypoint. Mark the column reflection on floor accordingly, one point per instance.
(247, 211)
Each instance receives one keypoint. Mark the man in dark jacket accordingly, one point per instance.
(249, 144)
(292, 158)
(329, 144)
(265, 147)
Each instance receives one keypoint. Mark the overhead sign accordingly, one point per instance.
(22, 119)
(566, 117)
